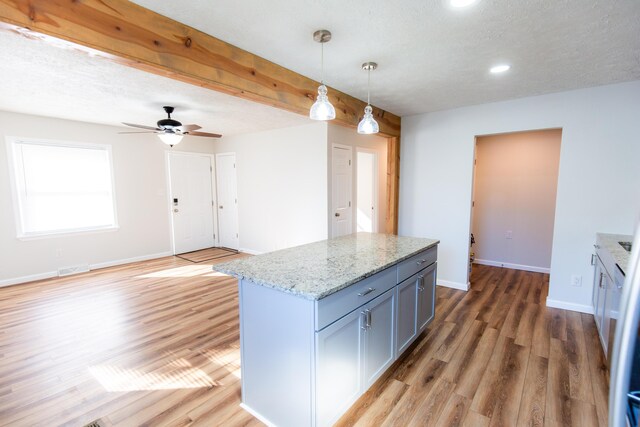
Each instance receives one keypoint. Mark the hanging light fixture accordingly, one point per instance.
(170, 137)
(368, 124)
(322, 108)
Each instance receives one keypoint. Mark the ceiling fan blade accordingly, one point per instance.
(210, 135)
(133, 125)
(149, 131)
(188, 128)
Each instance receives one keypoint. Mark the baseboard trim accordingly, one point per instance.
(29, 278)
(129, 260)
(454, 285)
(250, 251)
(50, 274)
(513, 266)
(257, 415)
(565, 305)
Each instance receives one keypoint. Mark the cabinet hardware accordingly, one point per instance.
(368, 318)
(368, 291)
(593, 259)
(363, 320)
(601, 277)
(422, 261)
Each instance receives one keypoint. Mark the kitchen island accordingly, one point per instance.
(320, 323)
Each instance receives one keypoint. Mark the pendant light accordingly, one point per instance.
(322, 108)
(368, 124)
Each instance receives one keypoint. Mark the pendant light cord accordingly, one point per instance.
(322, 63)
(369, 86)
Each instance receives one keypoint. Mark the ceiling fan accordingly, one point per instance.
(171, 131)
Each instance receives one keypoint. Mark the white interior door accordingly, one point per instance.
(191, 199)
(341, 189)
(227, 186)
(366, 191)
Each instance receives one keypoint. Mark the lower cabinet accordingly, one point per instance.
(426, 297)
(351, 354)
(415, 306)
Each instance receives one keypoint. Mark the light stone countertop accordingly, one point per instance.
(318, 269)
(610, 243)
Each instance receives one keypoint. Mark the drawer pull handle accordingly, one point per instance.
(422, 261)
(368, 291)
(364, 319)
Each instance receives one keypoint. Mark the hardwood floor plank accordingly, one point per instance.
(376, 414)
(432, 405)
(532, 406)
(454, 411)
(473, 419)
(597, 369)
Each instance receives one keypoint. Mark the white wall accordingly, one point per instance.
(346, 136)
(515, 186)
(140, 185)
(598, 184)
(282, 186)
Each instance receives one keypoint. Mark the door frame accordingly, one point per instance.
(376, 189)
(215, 171)
(351, 184)
(168, 154)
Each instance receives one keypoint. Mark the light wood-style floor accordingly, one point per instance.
(157, 343)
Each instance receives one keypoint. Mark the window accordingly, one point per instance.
(61, 187)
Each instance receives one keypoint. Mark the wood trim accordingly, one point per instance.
(132, 35)
(393, 184)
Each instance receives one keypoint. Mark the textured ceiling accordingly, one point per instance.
(432, 57)
(37, 78)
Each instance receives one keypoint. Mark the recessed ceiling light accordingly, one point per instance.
(500, 69)
(461, 3)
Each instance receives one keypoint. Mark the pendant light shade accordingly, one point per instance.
(170, 138)
(368, 124)
(322, 108)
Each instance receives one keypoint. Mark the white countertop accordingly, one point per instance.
(316, 270)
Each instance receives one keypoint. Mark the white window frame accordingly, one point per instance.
(11, 143)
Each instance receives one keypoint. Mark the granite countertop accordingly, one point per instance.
(316, 270)
(618, 253)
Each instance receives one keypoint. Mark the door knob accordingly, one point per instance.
(221, 206)
(176, 210)
(337, 214)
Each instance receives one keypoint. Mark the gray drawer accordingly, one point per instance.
(411, 266)
(335, 306)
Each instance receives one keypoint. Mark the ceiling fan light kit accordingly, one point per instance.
(322, 108)
(368, 124)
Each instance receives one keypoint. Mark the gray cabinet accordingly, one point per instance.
(407, 318)
(378, 331)
(339, 351)
(601, 287)
(426, 297)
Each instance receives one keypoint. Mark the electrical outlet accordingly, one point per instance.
(508, 234)
(576, 280)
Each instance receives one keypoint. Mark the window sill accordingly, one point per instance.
(68, 233)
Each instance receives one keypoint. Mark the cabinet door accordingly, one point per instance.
(599, 294)
(426, 296)
(407, 310)
(607, 289)
(379, 348)
(338, 366)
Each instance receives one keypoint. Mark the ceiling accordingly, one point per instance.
(431, 57)
(54, 81)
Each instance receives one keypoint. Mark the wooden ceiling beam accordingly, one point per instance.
(135, 36)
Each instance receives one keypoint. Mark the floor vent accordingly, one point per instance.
(96, 423)
(67, 271)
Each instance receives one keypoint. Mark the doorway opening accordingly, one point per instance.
(366, 190)
(515, 181)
